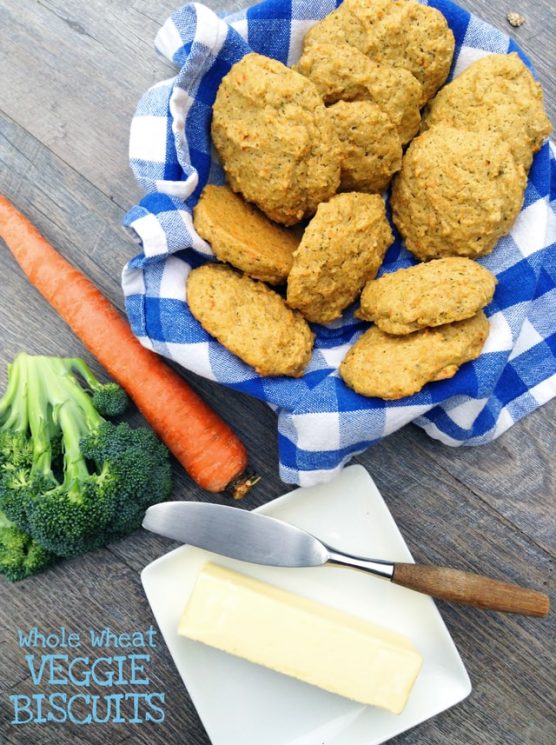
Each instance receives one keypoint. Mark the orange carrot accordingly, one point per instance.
(206, 447)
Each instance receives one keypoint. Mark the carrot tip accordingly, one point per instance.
(239, 487)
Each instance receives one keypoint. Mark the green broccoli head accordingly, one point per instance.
(17, 481)
(138, 463)
(20, 555)
(69, 522)
(16, 450)
(68, 477)
(110, 400)
(130, 470)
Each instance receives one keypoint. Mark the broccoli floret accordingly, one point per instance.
(109, 399)
(20, 555)
(16, 460)
(69, 478)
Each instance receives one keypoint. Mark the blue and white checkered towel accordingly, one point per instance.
(321, 422)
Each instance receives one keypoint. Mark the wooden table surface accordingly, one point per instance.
(71, 76)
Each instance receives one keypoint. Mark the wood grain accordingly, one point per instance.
(455, 586)
(72, 74)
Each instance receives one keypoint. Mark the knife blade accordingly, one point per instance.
(236, 533)
(260, 539)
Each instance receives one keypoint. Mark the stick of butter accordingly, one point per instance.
(300, 637)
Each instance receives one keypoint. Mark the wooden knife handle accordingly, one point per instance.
(471, 589)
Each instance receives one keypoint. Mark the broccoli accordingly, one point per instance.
(109, 399)
(20, 555)
(70, 479)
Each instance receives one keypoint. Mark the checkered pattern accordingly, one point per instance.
(322, 423)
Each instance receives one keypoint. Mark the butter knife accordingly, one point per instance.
(260, 539)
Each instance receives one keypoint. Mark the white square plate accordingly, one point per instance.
(244, 704)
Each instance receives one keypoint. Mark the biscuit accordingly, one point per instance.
(250, 320)
(392, 367)
(370, 147)
(495, 94)
(274, 138)
(440, 291)
(345, 25)
(457, 193)
(401, 33)
(341, 249)
(241, 235)
(343, 73)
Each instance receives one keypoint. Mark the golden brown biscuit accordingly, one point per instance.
(440, 291)
(250, 320)
(495, 94)
(274, 139)
(342, 247)
(343, 73)
(241, 235)
(401, 33)
(370, 147)
(457, 193)
(393, 367)
(345, 25)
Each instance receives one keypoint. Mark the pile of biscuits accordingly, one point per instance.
(462, 180)
(325, 270)
(428, 321)
(314, 146)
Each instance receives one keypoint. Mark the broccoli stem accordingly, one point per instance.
(13, 405)
(40, 422)
(44, 398)
(76, 471)
(82, 368)
(70, 410)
